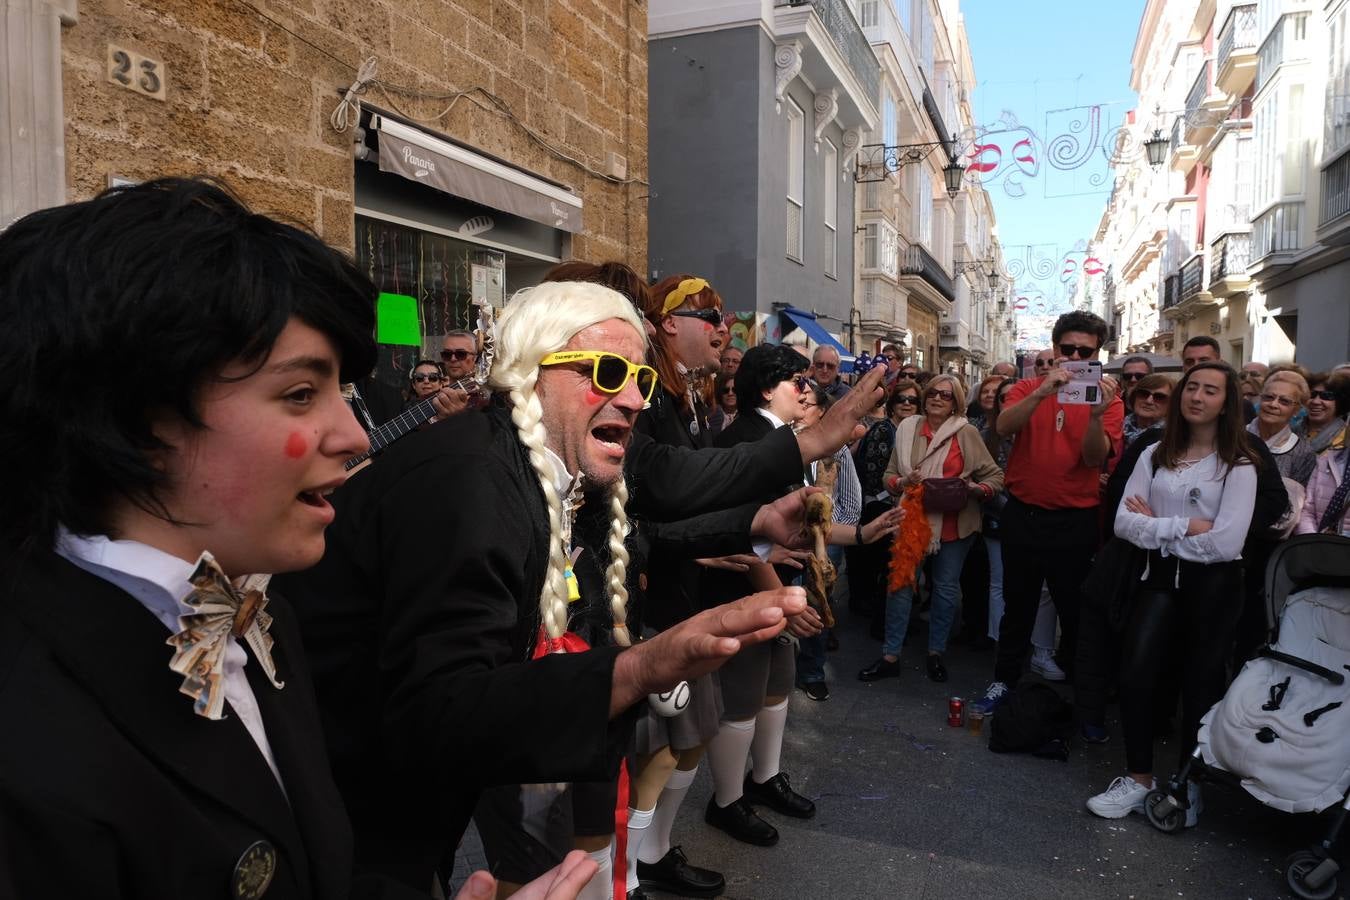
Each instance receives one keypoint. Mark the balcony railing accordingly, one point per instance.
(915, 260)
(1238, 33)
(1193, 276)
(1229, 255)
(1171, 290)
(1336, 189)
(843, 29)
(1199, 90)
(1277, 230)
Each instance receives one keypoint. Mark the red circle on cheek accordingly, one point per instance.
(296, 446)
(595, 397)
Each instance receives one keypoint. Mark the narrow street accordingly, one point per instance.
(910, 808)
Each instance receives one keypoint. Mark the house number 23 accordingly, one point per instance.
(135, 72)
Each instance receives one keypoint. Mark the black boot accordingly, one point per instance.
(882, 668)
(740, 821)
(674, 875)
(779, 796)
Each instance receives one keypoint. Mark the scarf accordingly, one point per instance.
(1280, 443)
(930, 465)
(1326, 437)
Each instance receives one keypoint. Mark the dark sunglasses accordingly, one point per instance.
(801, 383)
(420, 377)
(827, 365)
(457, 355)
(710, 315)
(906, 400)
(1043, 363)
(1067, 350)
(729, 389)
(1322, 395)
(909, 373)
(1155, 396)
(1133, 376)
(942, 394)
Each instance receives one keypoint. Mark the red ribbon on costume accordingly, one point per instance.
(571, 642)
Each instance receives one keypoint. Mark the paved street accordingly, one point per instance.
(910, 808)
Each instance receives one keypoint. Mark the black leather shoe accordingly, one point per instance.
(936, 670)
(882, 668)
(674, 875)
(779, 796)
(637, 894)
(740, 821)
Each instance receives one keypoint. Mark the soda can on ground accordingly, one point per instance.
(956, 712)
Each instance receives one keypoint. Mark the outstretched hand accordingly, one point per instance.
(563, 882)
(784, 520)
(842, 421)
(700, 644)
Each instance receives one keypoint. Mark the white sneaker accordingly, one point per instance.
(1043, 664)
(1124, 796)
(1197, 804)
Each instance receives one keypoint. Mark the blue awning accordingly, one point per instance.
(806, 321)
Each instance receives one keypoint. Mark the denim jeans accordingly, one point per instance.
(811, 650)
(946, 592)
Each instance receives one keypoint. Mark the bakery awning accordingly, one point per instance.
(427, 159)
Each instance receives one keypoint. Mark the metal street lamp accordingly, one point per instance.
(993, 279)
(1156, 148)
(952, 173)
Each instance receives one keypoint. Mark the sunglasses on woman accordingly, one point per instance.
(1322, 395)
(710, 315)
(1286, 402)
(420, 377)
(906, 400)
(941, 394)
(801, 383)
(1160, 397)
(609, 371)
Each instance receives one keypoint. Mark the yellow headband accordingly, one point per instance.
(681, 292)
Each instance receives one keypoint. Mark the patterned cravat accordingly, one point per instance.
(221, 609)
(1331, 516)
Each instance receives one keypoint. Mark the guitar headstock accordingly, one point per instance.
(486, 328)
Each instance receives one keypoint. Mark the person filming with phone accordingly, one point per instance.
(1049, 526)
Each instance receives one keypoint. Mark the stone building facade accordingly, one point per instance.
(554, 88)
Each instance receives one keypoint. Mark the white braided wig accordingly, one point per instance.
(539, 321)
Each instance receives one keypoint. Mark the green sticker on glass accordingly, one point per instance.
(396, 321)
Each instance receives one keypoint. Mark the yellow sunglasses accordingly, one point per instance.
(610, 372)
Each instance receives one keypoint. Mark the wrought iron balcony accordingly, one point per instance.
(915, 260)
(1195, 99)
(1171, 290)
(1236, 60)
(1228, 257)
(1336, 190)
(1192, 276)
(848, 37)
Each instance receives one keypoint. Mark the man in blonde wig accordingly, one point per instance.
(421, 637)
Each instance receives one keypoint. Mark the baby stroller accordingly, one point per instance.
(1280, 732)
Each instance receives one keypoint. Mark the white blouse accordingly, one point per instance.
(1198, 491)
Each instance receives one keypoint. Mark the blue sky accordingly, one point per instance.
(1046, 62)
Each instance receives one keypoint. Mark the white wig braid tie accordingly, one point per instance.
(617, 574)
(527, 414)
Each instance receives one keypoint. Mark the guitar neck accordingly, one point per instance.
(411, 418)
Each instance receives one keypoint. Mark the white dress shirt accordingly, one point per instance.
(159, 582)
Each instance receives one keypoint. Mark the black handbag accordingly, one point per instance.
(1114, 579)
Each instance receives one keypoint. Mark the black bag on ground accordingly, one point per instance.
(1033, 719)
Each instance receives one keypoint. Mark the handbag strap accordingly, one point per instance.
(1332, 514)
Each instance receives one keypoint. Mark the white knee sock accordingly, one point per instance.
(727, 753)
(656, 843)
(638, 822)
(767, 749)
(601, 885)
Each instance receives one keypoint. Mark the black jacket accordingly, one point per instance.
(110, 784)
(420, 619)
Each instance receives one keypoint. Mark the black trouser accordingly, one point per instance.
(1054, 546)
(866, 568)
(1096, 660)
(1187, 615)
(975, 593)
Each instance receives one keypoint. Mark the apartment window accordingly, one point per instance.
(831, 204)
(869, 11)
(1338, 85)
(870, 246)
(905, 10)
(925, 26)
(871, 195)
(1292, 157)
(889, 129)
(923, 205)
(796, 189)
